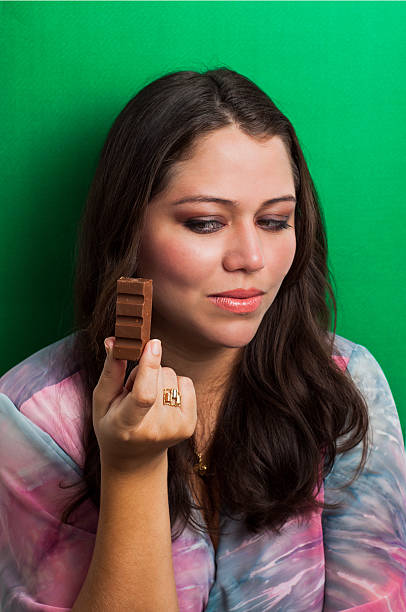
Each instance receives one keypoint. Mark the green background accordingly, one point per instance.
(336, 69)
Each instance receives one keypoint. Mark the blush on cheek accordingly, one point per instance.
(280, 260)
(185, 266)
(286, 256)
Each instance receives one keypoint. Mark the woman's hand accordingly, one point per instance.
(133, 427)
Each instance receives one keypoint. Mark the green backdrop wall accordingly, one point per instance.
(336, 69)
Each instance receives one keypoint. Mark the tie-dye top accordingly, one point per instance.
(353, 559)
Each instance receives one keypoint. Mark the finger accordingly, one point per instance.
(133, 373)
(183, 418)
(169, 381)
(145, 385)
(131, 378)
(143, 394)
(188, 404)
(111, 380)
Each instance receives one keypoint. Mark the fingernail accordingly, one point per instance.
(156, 347)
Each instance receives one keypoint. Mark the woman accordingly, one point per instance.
(278, 483)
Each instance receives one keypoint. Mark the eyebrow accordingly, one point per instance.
(206, 198)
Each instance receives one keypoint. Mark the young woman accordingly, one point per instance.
(277, 481)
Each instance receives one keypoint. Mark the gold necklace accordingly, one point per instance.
(201, 466)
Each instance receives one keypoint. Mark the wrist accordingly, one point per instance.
(130, 468)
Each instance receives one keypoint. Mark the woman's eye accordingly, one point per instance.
(196, 226)
(203, 226)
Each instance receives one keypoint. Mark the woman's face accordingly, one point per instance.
(194, 249)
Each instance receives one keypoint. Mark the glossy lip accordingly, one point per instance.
(235, 304)
(239, 293)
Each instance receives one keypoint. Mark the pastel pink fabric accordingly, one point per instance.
(354, 559)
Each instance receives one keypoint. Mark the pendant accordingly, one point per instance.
(200, 467)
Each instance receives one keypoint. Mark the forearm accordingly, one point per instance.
(131, 567)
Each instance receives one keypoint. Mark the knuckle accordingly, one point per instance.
(153, 436)
(168, 370)
(189, 387)
(124, 435)
(145, 401)
(190, 427)
(107, 371)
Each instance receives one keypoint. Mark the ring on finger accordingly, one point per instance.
(171, 397)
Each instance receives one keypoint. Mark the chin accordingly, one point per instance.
(233, 340)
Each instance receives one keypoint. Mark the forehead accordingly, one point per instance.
(232, 156)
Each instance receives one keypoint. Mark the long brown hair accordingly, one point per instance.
(287, 402)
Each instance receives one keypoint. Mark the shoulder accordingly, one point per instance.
(342, 350)
(386, 454)
(365, 371)
(370, 380)
(46, 388)
(46, 367)
(372, 513)
(358, 361)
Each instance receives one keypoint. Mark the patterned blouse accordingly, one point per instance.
(353, 559)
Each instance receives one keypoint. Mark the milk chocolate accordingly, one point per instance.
(133, 317)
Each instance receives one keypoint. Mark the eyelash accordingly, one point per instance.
(276, 227)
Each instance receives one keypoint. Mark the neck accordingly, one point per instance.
(209, 371)
(208, 365)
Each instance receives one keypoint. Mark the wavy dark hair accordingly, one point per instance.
(288, 408)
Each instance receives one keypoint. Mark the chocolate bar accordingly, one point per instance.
(133, 317)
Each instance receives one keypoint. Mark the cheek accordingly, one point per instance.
(281, 256)
(170, 260)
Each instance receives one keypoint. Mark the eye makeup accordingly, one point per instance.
(201, 226)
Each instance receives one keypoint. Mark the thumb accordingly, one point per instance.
(145, 377)
(111, 379)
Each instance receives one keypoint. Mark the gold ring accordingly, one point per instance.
(171, 397)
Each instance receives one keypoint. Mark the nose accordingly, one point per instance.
(245, 252)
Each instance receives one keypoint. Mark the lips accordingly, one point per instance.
(239, 293)
(237, 305)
